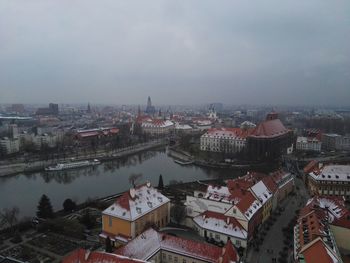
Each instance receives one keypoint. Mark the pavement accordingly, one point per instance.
(273, 240)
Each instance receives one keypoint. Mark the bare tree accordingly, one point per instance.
(9, 217)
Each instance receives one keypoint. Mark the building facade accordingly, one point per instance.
(227, 140)
(270, 139)
(158, 127)
(329, 179)
(308, 144)
(134, 211)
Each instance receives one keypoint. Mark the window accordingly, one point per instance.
(184, 261)
(238, 242)
(175, 259)
(110, 220)
(164, 256)
(169, 257)
(217, 237)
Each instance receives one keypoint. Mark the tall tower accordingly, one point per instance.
(150, 109)
(149, 102)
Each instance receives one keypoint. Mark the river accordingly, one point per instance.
(25, 190)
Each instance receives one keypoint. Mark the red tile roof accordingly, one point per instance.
(85, 256)
(269, 129)
(319, 252)
(270, 184)
(245, 203)
(310, 166)
(238, 132)
(229, 253)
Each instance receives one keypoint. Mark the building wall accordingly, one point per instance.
(308, 145)
(238, 242)
(159, 217)
(342, 237)
(116, 226)
(225, 144)
(171, 257)
(336, 188)
(267, 207)
(9, 146)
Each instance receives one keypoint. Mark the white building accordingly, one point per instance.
(336, 142)
(158, 127)
(183, 128)
(229, 140)
(308, 144)
(9, 146)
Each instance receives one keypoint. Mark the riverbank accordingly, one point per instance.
(184, 157)
(37, 166)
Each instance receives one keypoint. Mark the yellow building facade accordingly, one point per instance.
(133, 212)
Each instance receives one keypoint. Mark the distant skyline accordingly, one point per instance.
(178, 52)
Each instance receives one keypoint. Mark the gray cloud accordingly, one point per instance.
(108, 51)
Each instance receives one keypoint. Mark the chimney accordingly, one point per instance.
(132, 193)
(87, 254)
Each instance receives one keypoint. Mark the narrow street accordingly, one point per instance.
(273, 241)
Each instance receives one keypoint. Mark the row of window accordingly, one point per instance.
(170, 259)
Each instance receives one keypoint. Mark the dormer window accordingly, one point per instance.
(138, 210)
(160, 199)
(150, 204)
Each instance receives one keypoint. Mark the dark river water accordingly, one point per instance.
(25, 190)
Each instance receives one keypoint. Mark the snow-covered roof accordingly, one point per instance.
(183, 127)
(261, 192)
(221, 224)
(218, 193)
(334, 172)
(136, 203)
(334, 207)
(147, 244)
(302, 139)
(249, 205)
(157, 124)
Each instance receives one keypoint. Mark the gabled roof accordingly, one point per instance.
(318, 252)
(136, 203)
(270, 184)
(85, 256)
(228, 253)
(248, 205)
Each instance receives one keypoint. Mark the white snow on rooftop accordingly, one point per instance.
(261, 192)
(221, 226)
(219, 193)
(333, 173)
(146, 199)
(254, 207)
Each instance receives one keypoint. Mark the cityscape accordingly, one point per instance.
(174, 132)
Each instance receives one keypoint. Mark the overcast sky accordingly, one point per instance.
(176, 51)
